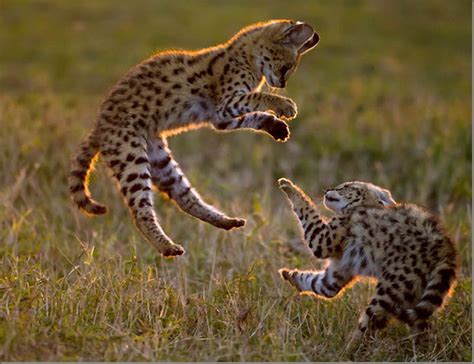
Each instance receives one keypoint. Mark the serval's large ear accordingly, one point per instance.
(385, 197)
(310, 44)
(300, 36)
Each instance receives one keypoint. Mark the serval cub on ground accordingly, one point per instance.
(402, 246)
(181, 90)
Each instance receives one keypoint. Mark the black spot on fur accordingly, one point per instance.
(136, 187)
(408, 296)
(386, 306)
(161, 163)
(141, 160)
(167, 183)
(213, 60)
(178, 70)
(423, 312)
(79, 174)
(131, 177)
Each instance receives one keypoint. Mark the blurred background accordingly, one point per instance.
(385, 97)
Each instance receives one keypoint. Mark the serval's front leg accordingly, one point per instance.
(375, 317)
(243, 103)
(327, 283)
(260, 121)
(324, 239)
(168, 177)
(255, 110)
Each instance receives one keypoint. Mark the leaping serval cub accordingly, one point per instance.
(401, 245)
(180, 90)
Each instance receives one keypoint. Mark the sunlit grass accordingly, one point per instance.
(385, 98)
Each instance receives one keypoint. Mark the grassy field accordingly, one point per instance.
(385, 97)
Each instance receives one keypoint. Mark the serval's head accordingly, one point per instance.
(278, 46)
(352, 194)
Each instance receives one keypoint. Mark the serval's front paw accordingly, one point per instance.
(285, 273)
(172, 250)
(286, 109)
(279, 131)
(277, 128)
(232, 223)
(287, 187)
(289, 276)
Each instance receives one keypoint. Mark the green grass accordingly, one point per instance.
(385, 97)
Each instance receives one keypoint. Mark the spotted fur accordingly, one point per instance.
(402, 246)
(176, 91)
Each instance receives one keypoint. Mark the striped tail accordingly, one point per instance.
(441, 280)
(79, 178)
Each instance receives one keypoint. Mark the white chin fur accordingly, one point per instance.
(334, 206)
(330, 206)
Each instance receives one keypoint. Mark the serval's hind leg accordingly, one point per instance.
(374, 318)
(131, 167)
(168, 177)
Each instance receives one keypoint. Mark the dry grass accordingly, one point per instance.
(384, 98)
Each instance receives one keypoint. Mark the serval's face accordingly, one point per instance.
(280, 49)
(352, 194)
